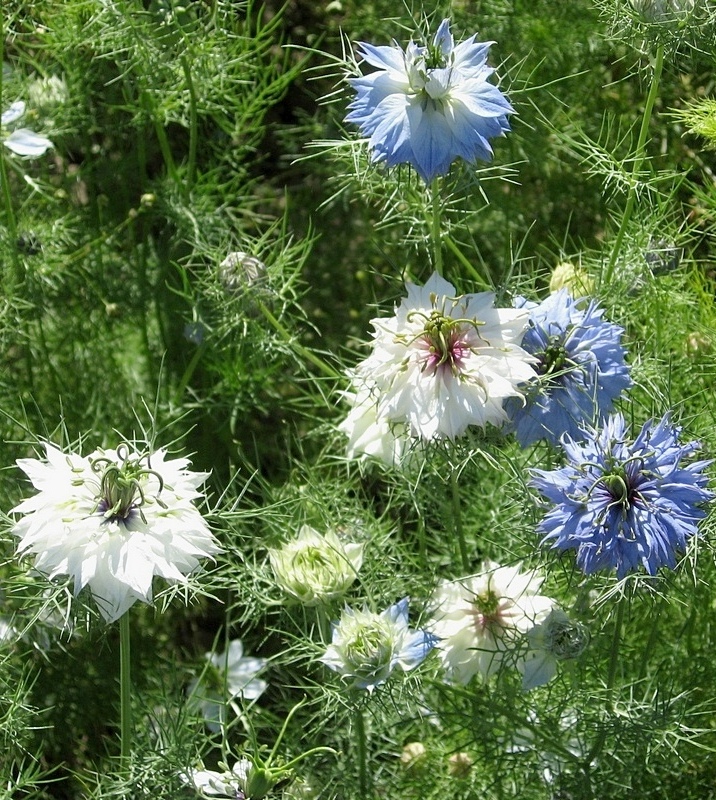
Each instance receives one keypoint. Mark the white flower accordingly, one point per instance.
(481, 619)
(113, 521)
(230, 783)
(555, 639)
(23, 141)
(315, 568)
(443, 362)
(227, 675)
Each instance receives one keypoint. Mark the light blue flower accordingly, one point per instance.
(428, 105)
(581, 370)
(623, 504)
(366, 647)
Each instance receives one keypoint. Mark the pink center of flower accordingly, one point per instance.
(490, 612)
(445, 344)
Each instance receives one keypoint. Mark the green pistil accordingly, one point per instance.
(120, 487)
(487, 605)
(439, 331)
(369, 647)
(554, 359)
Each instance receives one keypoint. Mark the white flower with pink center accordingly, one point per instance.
(444, 362)
(482, 620)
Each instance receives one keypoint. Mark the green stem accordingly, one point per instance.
(193, 126)
(639, 157)
(364, 778)
(457, 519)
(436, 228)
(474, 274)
(15, 277)
(326, 369)
(611, 678)
(125, 680)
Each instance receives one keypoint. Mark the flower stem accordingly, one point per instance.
(14, 276)
(639, 157)
(326, 369)
(611, 677)
(436, 228)
(125, 688)
(364, 778)
(457, 519)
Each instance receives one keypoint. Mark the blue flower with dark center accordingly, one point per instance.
(580, 371)
(428, 105)
(623, 504)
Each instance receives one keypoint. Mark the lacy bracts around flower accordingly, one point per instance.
(113, 521)
(444, 362)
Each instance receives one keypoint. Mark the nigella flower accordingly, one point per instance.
(623, 504)
(428, 105)
(580, 370)
(113, 521)
(226, 676)
(367, 647)
(316, 568)
(23, 141)
(481, 619)
(555, 639)
(445, 362)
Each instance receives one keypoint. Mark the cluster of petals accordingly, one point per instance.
(366, 647)
(623, 504)
(76, 526)
(581, 369)
(315, 568)
(23, 141)
(440, 364)
(481, 620)
(428, 105)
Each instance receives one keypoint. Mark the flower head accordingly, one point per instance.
(580, 365)
(555, 639)
(442, 362)
(113, 521)
(314, 567)
(428, 105)
(481, 619)
(230, 783)
(623, 504)
(366, 647)
(22, 141)
(227, 675)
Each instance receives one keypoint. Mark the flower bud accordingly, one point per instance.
(413, 752)
(572, 278)
(315, 568)
(459, 765)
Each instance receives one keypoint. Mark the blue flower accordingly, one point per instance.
(622, 504)
(366, 647)
(581, 370)
(428, 105)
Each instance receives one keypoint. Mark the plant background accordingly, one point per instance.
(189, 131)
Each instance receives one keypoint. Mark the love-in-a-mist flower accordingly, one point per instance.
(226, 676)
(366, 647)
(555, 639)
(229, 783)
(581, 369)
(480, 620)
(624, 504)
(428, 105)
(113, 521)
(315, 568)
(444, 362)
(22, 141)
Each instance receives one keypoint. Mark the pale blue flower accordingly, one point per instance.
(623, 504)
(366, 647)
(581, 370)
(428, 105)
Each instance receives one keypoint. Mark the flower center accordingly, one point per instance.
(121, 493)
(445, 342)
(486, 609)
(370, 647)
(617, 483)
(554, 360)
